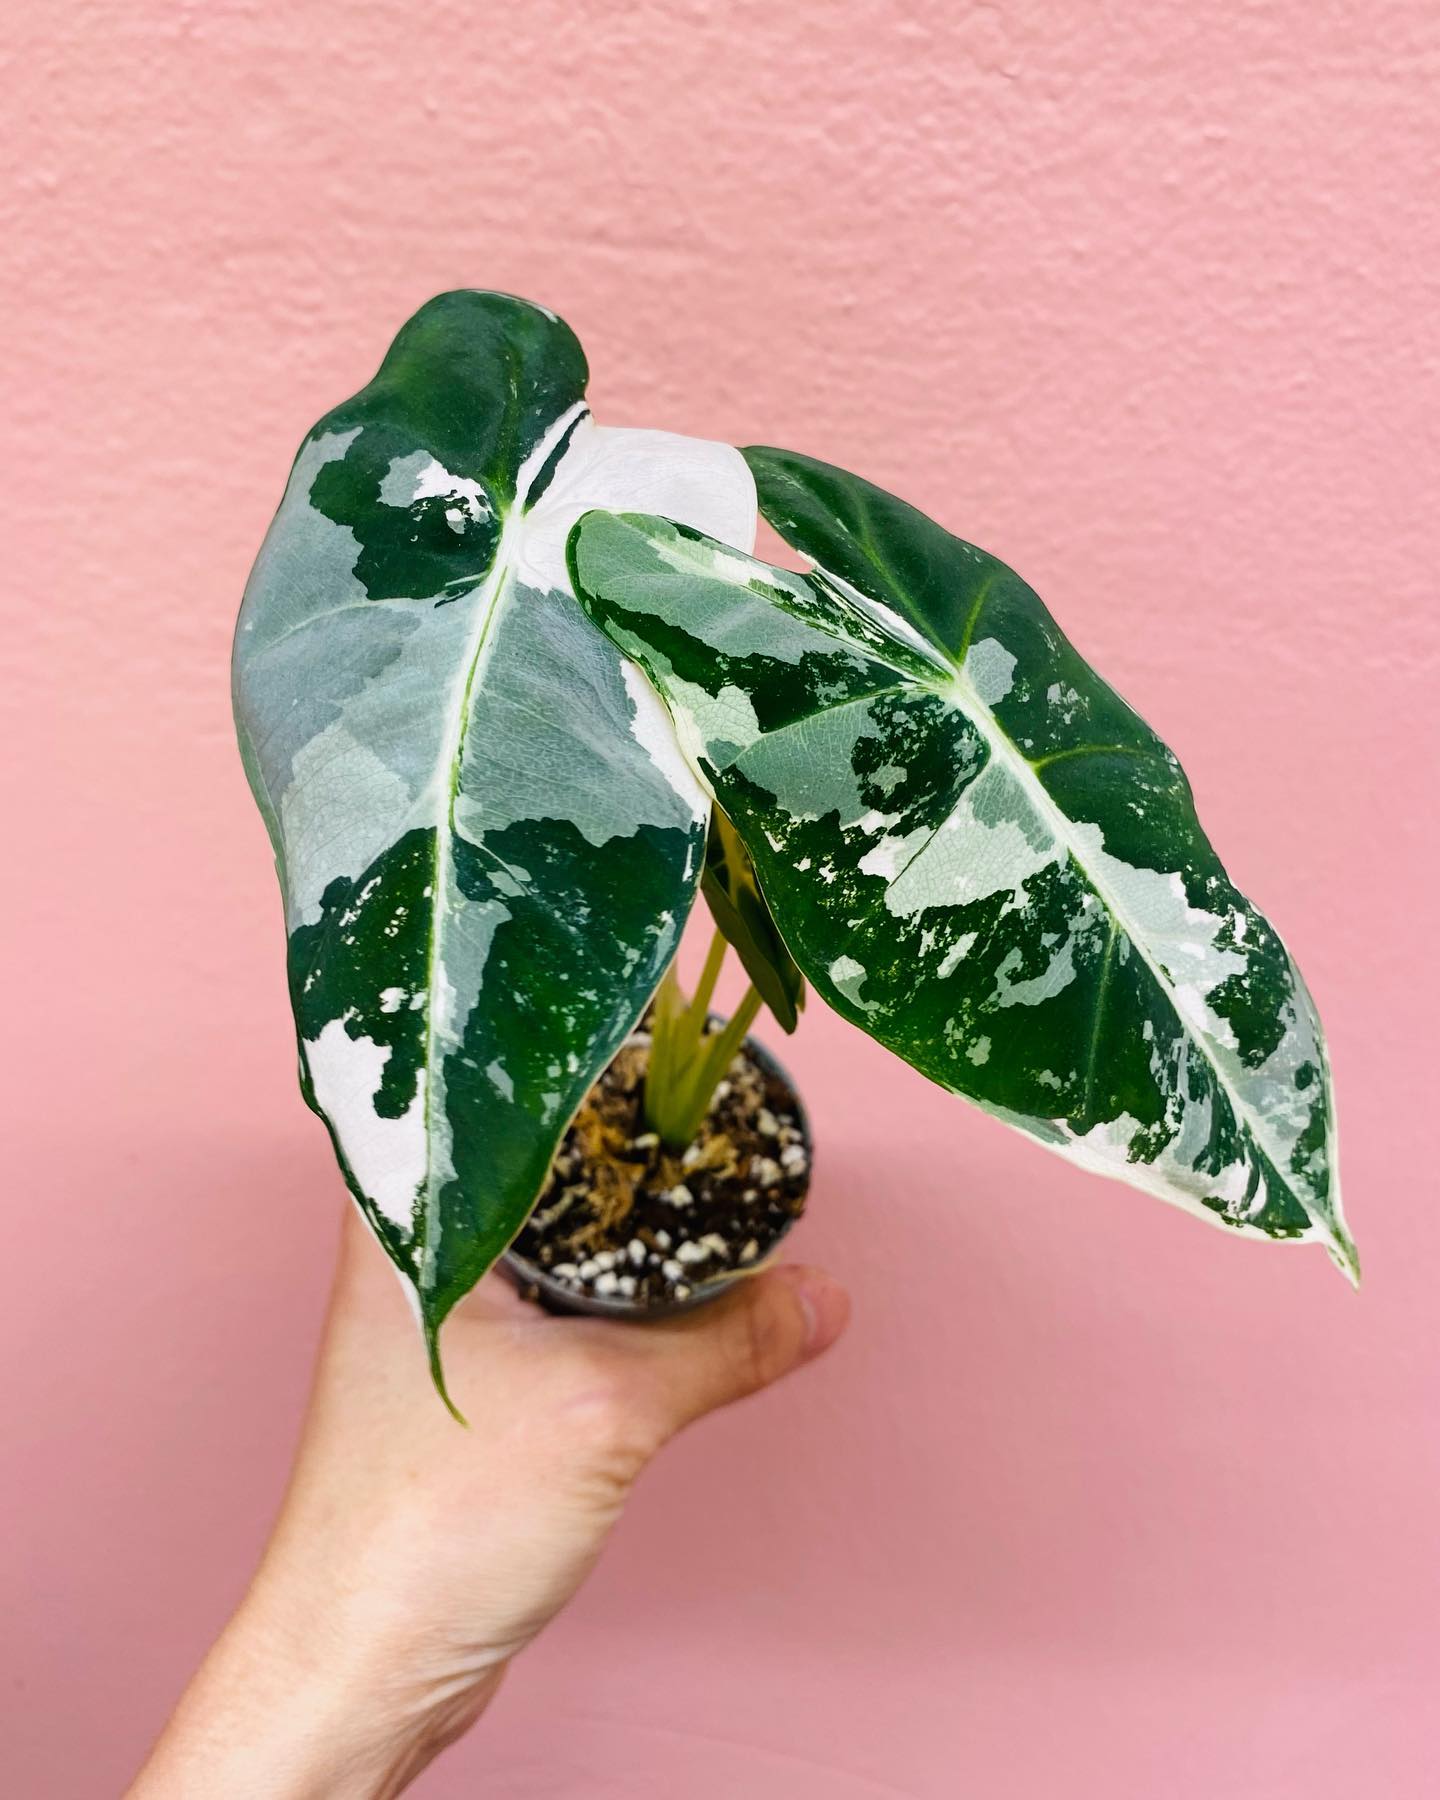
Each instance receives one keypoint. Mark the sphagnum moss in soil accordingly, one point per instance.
(625, 1217)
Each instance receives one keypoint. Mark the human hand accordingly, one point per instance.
(413, 1559)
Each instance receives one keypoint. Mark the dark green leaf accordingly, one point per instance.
(975, 850)
(487, 840)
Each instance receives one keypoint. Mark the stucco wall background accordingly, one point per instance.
(1142, 298)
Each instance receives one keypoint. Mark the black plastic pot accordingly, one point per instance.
(556, 1296)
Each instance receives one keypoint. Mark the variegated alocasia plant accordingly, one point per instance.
(486, 837)
(973, 847)
(489, 829)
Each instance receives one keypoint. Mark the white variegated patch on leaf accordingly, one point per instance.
(487, 839)
(975, 850)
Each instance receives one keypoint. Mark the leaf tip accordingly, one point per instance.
(437, 1373)
(1344, 1255)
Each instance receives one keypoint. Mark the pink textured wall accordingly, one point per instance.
(1092, 1500)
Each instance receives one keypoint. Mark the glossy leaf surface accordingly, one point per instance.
(976, 850)
(487, 840)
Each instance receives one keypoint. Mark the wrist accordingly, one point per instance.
(308, 1704)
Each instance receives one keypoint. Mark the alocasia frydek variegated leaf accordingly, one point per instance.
(487, 840)
(975, 850)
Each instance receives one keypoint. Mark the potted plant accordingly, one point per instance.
(509, 688)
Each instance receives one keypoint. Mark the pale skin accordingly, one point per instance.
(412, 1559)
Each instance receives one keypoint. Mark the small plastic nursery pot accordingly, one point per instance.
(559, 1296)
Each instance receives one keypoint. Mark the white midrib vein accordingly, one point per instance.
(1059, 825)
(478, 647)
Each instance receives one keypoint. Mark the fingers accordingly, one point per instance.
(766, 1326)
(671, 1373)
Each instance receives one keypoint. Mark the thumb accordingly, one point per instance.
(767, 1325)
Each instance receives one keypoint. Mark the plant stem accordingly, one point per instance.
(668, 1010)
(687, 1062)
(709, 975)
(719, 1053)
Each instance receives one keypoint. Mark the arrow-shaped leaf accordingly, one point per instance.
(975, 850)
(487, 841)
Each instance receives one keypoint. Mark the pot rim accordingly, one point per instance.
(555, 1296)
